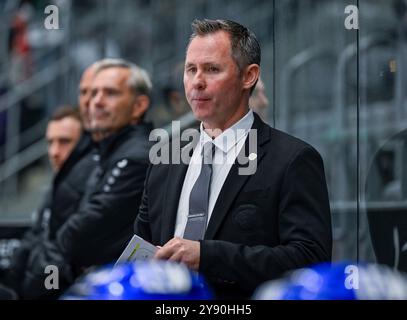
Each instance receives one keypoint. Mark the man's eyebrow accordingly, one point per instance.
(105, 88)
(204, 64)
(210, 63)
(65, 139)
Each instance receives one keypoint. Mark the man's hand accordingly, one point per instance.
(181, 250)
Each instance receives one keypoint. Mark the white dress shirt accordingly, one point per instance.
(227, 147)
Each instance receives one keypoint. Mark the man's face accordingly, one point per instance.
(85, 95)
(62, 136)
(212, 81)
(112, 103)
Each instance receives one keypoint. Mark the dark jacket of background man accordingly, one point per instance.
(63, 199)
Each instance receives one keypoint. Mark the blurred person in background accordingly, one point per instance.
(63, 133)
(174, 93)
(100, 227)
(174, 103)
(21, 67)
(259, 102)
(85, 94)
(69, 184)
(386, 196)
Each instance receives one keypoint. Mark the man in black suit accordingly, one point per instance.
(238, 228)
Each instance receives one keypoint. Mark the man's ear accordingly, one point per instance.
(140, 106)
(250, 75)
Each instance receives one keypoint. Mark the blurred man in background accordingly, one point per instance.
(100, 227)
(63, 133)
(259, 102)
(85, 86)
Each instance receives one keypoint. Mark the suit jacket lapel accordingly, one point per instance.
(234, 182)
(171, 199)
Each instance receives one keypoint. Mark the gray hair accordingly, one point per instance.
(245, 46)
(139, 81)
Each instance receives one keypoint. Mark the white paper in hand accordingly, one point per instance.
(137, 249)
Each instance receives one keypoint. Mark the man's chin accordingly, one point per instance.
(99, 129)
(87, 126)
(200, 116)
(100, 133)
(56, 167)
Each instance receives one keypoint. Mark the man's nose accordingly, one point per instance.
(53, 150)
(97, 99)
(198, 81)
(95, 103)
(88, 98)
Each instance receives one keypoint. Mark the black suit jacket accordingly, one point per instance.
(262, 225)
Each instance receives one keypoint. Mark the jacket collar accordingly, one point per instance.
(107, 145)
